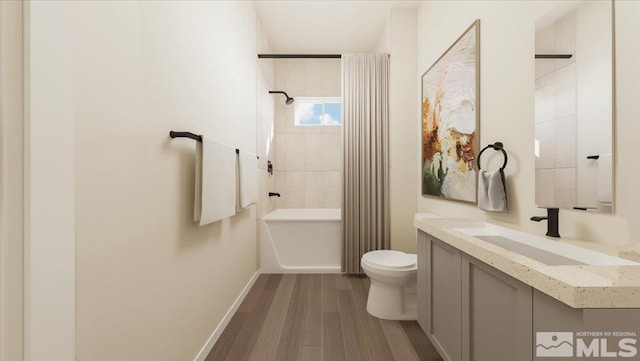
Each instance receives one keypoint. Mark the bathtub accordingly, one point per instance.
(301, 241)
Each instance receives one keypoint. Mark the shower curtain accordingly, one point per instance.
(365, 188)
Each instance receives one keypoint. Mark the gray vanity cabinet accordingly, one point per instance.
(473, 312)
(440, 283)
(469, 310)
(496, 314)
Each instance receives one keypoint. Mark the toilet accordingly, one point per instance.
(392, 295)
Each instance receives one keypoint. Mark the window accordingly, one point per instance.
(318, 111)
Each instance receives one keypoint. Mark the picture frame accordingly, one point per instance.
(450, 119)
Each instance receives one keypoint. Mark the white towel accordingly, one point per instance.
(215, 182)
(605, 181)
(247, 179)
(492, 194)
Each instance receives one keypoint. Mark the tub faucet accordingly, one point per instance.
(553, 221)
(274, 194)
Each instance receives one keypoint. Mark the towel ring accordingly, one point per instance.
(494, 146)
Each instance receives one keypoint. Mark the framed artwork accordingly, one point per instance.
(450, 120)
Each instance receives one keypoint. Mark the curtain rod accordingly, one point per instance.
(299, 56)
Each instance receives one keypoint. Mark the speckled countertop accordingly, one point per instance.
(579, 286)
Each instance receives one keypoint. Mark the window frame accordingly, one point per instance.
(318, 100)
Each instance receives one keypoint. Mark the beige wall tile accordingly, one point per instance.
(566, 142)
(313, 189)
(545, 135)
(545, 98)
(566, 187)
(545, 187)
(565, 89)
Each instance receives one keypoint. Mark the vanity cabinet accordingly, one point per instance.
(496, 314)
(469, 310)
(440, 283)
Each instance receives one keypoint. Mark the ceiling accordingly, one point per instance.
(325, 26)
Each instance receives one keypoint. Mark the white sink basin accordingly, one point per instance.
(541, 249)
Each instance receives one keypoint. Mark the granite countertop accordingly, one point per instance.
(579, 286)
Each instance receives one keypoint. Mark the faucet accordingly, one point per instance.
(274, 194)
(553, 221)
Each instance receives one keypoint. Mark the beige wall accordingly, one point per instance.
(507, 112)
(11, 191)
(108, 80)
(308, 163)
(594, 85)
(404, 126)
(384, 42)
(49, 183)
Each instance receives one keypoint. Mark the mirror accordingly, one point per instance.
(574, 107)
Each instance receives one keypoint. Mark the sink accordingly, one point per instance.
(537, 254)
(541, 249)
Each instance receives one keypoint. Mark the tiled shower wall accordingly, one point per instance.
(308, 159)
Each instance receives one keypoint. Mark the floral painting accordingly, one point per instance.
(450, 121)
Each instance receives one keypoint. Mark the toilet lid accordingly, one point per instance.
(390, 259)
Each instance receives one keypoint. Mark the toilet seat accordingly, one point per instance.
(391, 260)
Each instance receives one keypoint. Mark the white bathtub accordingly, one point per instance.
(301, 241)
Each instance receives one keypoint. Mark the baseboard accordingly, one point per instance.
(204, 352)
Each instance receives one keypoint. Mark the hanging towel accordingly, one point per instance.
(247, 179)
(605, 181)
(492, 191)
(215, 182)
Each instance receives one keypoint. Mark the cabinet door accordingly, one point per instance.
(497, 321)
(444, 287)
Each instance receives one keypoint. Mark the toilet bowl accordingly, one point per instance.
(392, 295)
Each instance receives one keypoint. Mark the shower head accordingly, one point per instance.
(289, 100)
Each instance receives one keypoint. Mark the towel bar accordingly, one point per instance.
(197, 138)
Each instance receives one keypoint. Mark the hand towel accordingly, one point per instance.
(605, 179)
(247, 179)
(215, 182)
(492, 192)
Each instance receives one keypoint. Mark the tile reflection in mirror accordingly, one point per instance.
(574, 106)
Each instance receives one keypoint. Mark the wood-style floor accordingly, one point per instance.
(313, 318)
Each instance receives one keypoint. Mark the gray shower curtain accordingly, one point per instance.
(365, 188)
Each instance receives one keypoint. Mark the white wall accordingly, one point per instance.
(308, 163)
(404, 126)
(507, 112)
(109, 80)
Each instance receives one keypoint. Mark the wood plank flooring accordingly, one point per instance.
(315, 317)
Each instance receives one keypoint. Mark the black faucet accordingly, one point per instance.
(274, 194)
(553, 221)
